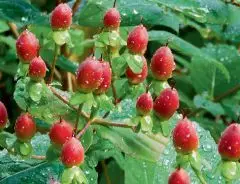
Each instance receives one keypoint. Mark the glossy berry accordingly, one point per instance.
(72, 153)
(89, 75)
(144, 103)
(162, 64)
(136, 78)
(37, 68)
(25, 127)
(137, 40)
(27, 46)
(60, 132)
(229, 144)
(107, 78)
(166, 103)
(3, 116)
(112, 18)
(179, 176)
(61, 17)
(185, 138)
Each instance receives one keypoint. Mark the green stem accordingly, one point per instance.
(54, 63)
(113, 53)
(199, 175)
(78, 118)
(213, 83)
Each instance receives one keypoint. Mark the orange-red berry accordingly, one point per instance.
(166, 103)
(61, 17)
(60, 132)
(162, 64)
(112, 18)
(229, 143)
(144, 103)
(89, 75)
(3, 116)
(179, 176)
(25, 127)
(27, 46)
(137, 40)
(106, 78)
(72, 153)
(185, 138)
(37, 68)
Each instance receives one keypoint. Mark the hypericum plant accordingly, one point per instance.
(116, 70)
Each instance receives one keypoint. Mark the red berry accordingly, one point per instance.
(144, 103)
(229, 144)
(166, 103)
(162, 64)
(60, 132)
(37, 68)
(107, 78)
(136, 78)
(27, 46)
(61, 17)
(72, 153)
(89, 75)
(25, 127)
(179, 176)
(3, 116)
(112, 18)
(137, 40)
(185, 138)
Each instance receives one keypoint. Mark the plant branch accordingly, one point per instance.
(84, 129)
(38, 157)
(105, 172)
(53, 63)
(85, 115)
(104, 122)
(75, 7)
(13, 28)
(227, 93)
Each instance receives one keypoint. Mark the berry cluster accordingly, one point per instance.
(98, 73)
(96, 76)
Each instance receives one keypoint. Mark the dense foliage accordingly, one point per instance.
(133, 92)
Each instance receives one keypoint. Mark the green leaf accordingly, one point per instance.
(104, 102)
(139, 145)
(87, 139)
(229, 170)
(6, 139)
(119, 65)
(73, 175)
(101, 150)
(201, 101)
(22, 70)
(35, 90)
(62, 37)
(81, 98)
(53, 153)
(158, 173)
(3, 26)
(135, 62)
(21, 12)
(131, 12)
(146, 124)
(25, 149)
(49, 108)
